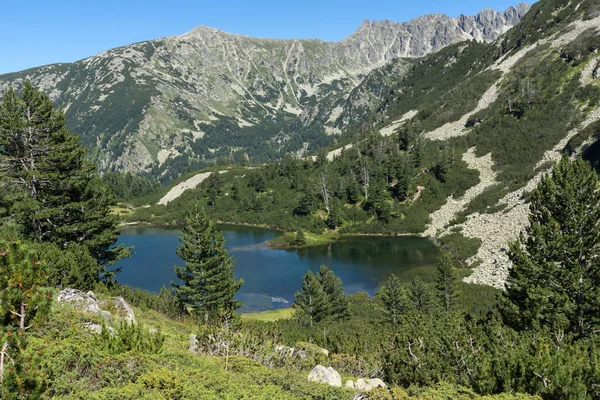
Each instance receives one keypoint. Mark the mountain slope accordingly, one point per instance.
(515, 105)
(160, 106)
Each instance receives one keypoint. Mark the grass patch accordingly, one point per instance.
(287, 240)
(270, 315)
(117, 210)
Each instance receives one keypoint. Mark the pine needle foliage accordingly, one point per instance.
(555, 279)
(446, 282)
(209, 285)
(46, 185)
(394, 297)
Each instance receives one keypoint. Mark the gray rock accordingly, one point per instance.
(349, 384)
(376, 383)
(361, 384)
(325, 375)
(79, 300)
(207, 69)
(106, 315)
(367, 384)
(124, 309)
(153, 330)
(193, 346)
(97, 328)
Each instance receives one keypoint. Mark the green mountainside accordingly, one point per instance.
(451, 150)
(487, 148)
(162, 106)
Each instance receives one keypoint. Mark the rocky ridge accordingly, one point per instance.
(154, 106)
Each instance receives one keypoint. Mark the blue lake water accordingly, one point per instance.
(361, 262)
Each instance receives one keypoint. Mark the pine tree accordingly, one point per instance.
(23, 302)
(394, 298)
(555, 278)
(209, 285)
(337, 301)
(47, 186)
(419, 294)
(311, 301)
(445, 281)
(300, 239)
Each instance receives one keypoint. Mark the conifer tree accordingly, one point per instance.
(419, 294)
(300, 239)
(555, 278)
(23, 301)
(445, 281)
(209, 285)
(45, 183)
(337, 301)
(311, 301)
(394, 299)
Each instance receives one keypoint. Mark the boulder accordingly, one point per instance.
(123, 309)
(376, 383)
(368, 384)
(97, 328)
(79, 300)
(361, 385)
(193, 347)
(325, 375)
(349, 384)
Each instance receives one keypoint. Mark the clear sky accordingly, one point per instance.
(38, 32)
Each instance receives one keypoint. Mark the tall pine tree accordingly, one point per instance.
(46, 186)
(419, 294)
(337, 301)
(209, 285)
(445, 281)
(311, 301)
(555, 278)
(394, 298)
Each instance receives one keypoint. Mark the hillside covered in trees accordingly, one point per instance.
(69, 330)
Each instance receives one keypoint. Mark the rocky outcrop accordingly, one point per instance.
(83, 302)
(325, 375)
(123, 309)
(88, 303)
(365, 385)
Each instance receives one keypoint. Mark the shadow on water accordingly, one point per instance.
(271, 276)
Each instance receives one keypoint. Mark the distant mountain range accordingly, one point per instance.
(161, 106)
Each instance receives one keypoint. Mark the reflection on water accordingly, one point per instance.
(272, 275)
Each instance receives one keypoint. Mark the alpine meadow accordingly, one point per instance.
(412, 212)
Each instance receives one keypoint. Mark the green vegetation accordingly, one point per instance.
(555, 276)
(208, 282)
(270, 315)
(48, 190)
(322, 198)
(440, 339)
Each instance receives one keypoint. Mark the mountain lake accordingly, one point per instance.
(272, 276)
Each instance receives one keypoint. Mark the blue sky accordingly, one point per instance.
(37, 32)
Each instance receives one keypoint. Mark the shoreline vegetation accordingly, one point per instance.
(286, 240)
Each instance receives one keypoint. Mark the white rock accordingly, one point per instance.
(376, 382)
(81, 301)
(325, 375)
(124, 308)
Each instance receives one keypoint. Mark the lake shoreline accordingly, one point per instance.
(283, 246)
(272, 275)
